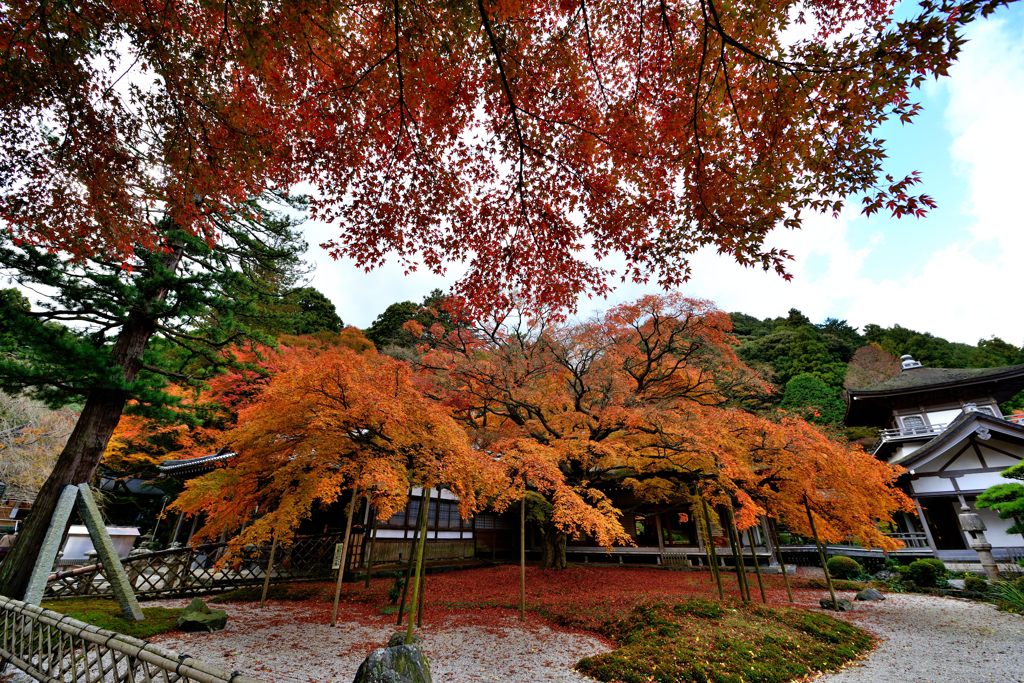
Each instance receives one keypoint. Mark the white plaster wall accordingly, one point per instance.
(994, 459)
(941, 417)
(932, 485)
(996, 532)
(979, 482)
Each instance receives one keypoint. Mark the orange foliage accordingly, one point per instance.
(647, 398)
(332, 419)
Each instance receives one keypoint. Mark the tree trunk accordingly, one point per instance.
(554, 549)
(77, 462)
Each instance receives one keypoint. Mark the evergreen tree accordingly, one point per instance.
(389, 331)
(810, 398)
(109, 334)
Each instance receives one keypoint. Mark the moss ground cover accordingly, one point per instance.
(106, 614)
(703, 641)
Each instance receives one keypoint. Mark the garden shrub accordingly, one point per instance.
(1009, 595)
(975, 583)
(843, 567)
(927, 573)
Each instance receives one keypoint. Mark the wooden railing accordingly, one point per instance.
(197, 570)
(54, 648)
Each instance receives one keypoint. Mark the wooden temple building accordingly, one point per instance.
(945, 427)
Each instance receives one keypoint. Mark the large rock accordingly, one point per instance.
(869, 594)
(199, 617)
(839, 605)
(396, 663)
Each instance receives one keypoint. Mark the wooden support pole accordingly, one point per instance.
(522, 558)
(421, 548)
(773, 529)
(270, 568)
(729, 523)
(371, 537)
(409, 566)
(821, 552)
(344, 555)
(661, 538)
(757, 566)
(709, 548)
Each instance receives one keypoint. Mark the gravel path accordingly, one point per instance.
(927, 639)
(273, 645)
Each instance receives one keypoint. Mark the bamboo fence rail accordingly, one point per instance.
(54, 648)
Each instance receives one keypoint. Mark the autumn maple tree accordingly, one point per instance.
(513, 136)
(648, 401)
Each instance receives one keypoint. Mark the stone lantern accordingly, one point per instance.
(974, 526)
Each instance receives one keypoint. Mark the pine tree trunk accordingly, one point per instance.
(77, 462)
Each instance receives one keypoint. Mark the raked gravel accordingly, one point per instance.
(268, 645)
(927, 639)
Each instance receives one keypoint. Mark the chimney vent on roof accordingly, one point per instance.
(907, 362)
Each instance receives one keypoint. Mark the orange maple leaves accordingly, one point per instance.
(647, 400)
(329, 420)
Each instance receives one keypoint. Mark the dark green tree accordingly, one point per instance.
(388, 330)
(812, 399)
(1007, 499)
(108, 334)
(307, 311)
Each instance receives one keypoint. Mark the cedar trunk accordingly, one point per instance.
(77, 462)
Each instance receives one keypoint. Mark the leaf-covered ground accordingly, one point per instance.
(664, 625)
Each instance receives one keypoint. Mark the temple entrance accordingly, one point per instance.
(940, 513)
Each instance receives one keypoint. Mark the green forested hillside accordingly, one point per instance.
(811, 364)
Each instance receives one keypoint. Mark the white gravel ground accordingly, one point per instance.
(926, 639)
(271, 646)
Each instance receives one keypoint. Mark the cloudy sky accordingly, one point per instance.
(956, 273)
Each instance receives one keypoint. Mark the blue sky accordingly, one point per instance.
(954, 273)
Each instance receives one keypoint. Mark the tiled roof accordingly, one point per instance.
(194, 465)
(920, 378)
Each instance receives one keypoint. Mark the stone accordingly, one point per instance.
(840, 605)
(396, 663)
(199, 617)
(869, 594)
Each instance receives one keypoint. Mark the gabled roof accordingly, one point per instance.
(930, 386)
(966, 426)
(193, 466)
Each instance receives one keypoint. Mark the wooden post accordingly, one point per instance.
(522, 558)
(372, 531)
(821, 552)
(709, 548)
(729, 523)
(424, 509)
(344, 555)
(774, 531)
(661, 539)
(410, 565)
(270, 568)
(757, 566)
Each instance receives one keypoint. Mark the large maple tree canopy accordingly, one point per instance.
(521, 136)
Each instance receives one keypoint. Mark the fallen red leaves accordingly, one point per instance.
(580, 597)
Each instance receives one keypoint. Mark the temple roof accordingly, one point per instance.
(192, 466)
(930, 386)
